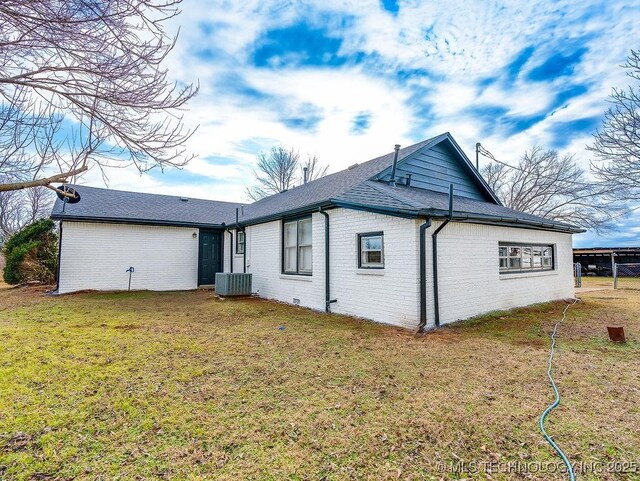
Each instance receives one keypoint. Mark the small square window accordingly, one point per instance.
(371, 250)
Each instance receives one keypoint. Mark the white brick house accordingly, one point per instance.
(380, 221)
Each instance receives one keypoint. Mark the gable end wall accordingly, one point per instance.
(435, 169)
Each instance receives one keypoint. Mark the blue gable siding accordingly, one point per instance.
(434, 169)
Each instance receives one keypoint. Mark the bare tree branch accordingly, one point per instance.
(617, 144)
(314, 169)
(43, 182)
(544, 184)
(280, 170)
(82, 84)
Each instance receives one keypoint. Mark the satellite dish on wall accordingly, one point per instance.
(73, 198)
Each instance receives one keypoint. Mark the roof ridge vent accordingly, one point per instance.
(353, 166)
(184, 199)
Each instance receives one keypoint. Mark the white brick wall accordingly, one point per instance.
(388, 295)
(96, 256)
(264, 262)
(225, 251)
(237, 258)
(470, 283)
(469, 279)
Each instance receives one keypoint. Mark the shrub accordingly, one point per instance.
(31, 254)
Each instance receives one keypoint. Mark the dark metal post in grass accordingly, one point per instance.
(130, 270)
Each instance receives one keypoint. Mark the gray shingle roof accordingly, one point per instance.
(322, 190)
(353, 187)
(136, 207)
(380, 195)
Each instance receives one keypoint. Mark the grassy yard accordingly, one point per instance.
(187, 386)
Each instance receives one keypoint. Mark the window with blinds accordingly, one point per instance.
(297, 247)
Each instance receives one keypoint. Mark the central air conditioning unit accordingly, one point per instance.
(233, 284)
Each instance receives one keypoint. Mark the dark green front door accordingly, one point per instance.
(210, 257)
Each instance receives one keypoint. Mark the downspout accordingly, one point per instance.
(244, 254)
(327, 285)
(423, 275)
(434, 236)
(230, 250)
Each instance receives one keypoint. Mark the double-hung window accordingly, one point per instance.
(297, 247)
(240, 242)
(524, 257)
(371, 250)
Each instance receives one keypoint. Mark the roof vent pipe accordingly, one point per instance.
(305, 172)
(395, 164)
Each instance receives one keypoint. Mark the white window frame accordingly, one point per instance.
(298, 246)
(243, 243)
(518, 257)
(362, 263)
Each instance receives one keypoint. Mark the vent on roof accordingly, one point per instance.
(184, 199)
(353, 166)
(392, 181)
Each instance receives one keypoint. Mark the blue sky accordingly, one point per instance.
(348, 80)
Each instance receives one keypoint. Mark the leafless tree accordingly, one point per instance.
(546, 184)
(19, 208)
(81, 84)
(314, 169)
(617, 144)
(275, 172)
(280, 170)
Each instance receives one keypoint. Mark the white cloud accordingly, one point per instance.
(457, 42)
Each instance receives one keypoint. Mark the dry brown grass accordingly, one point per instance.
(186, 386)
(595, 282)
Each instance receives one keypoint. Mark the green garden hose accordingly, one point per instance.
(555, 403)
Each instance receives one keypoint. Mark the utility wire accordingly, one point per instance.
(489, 155)
(556, 402)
